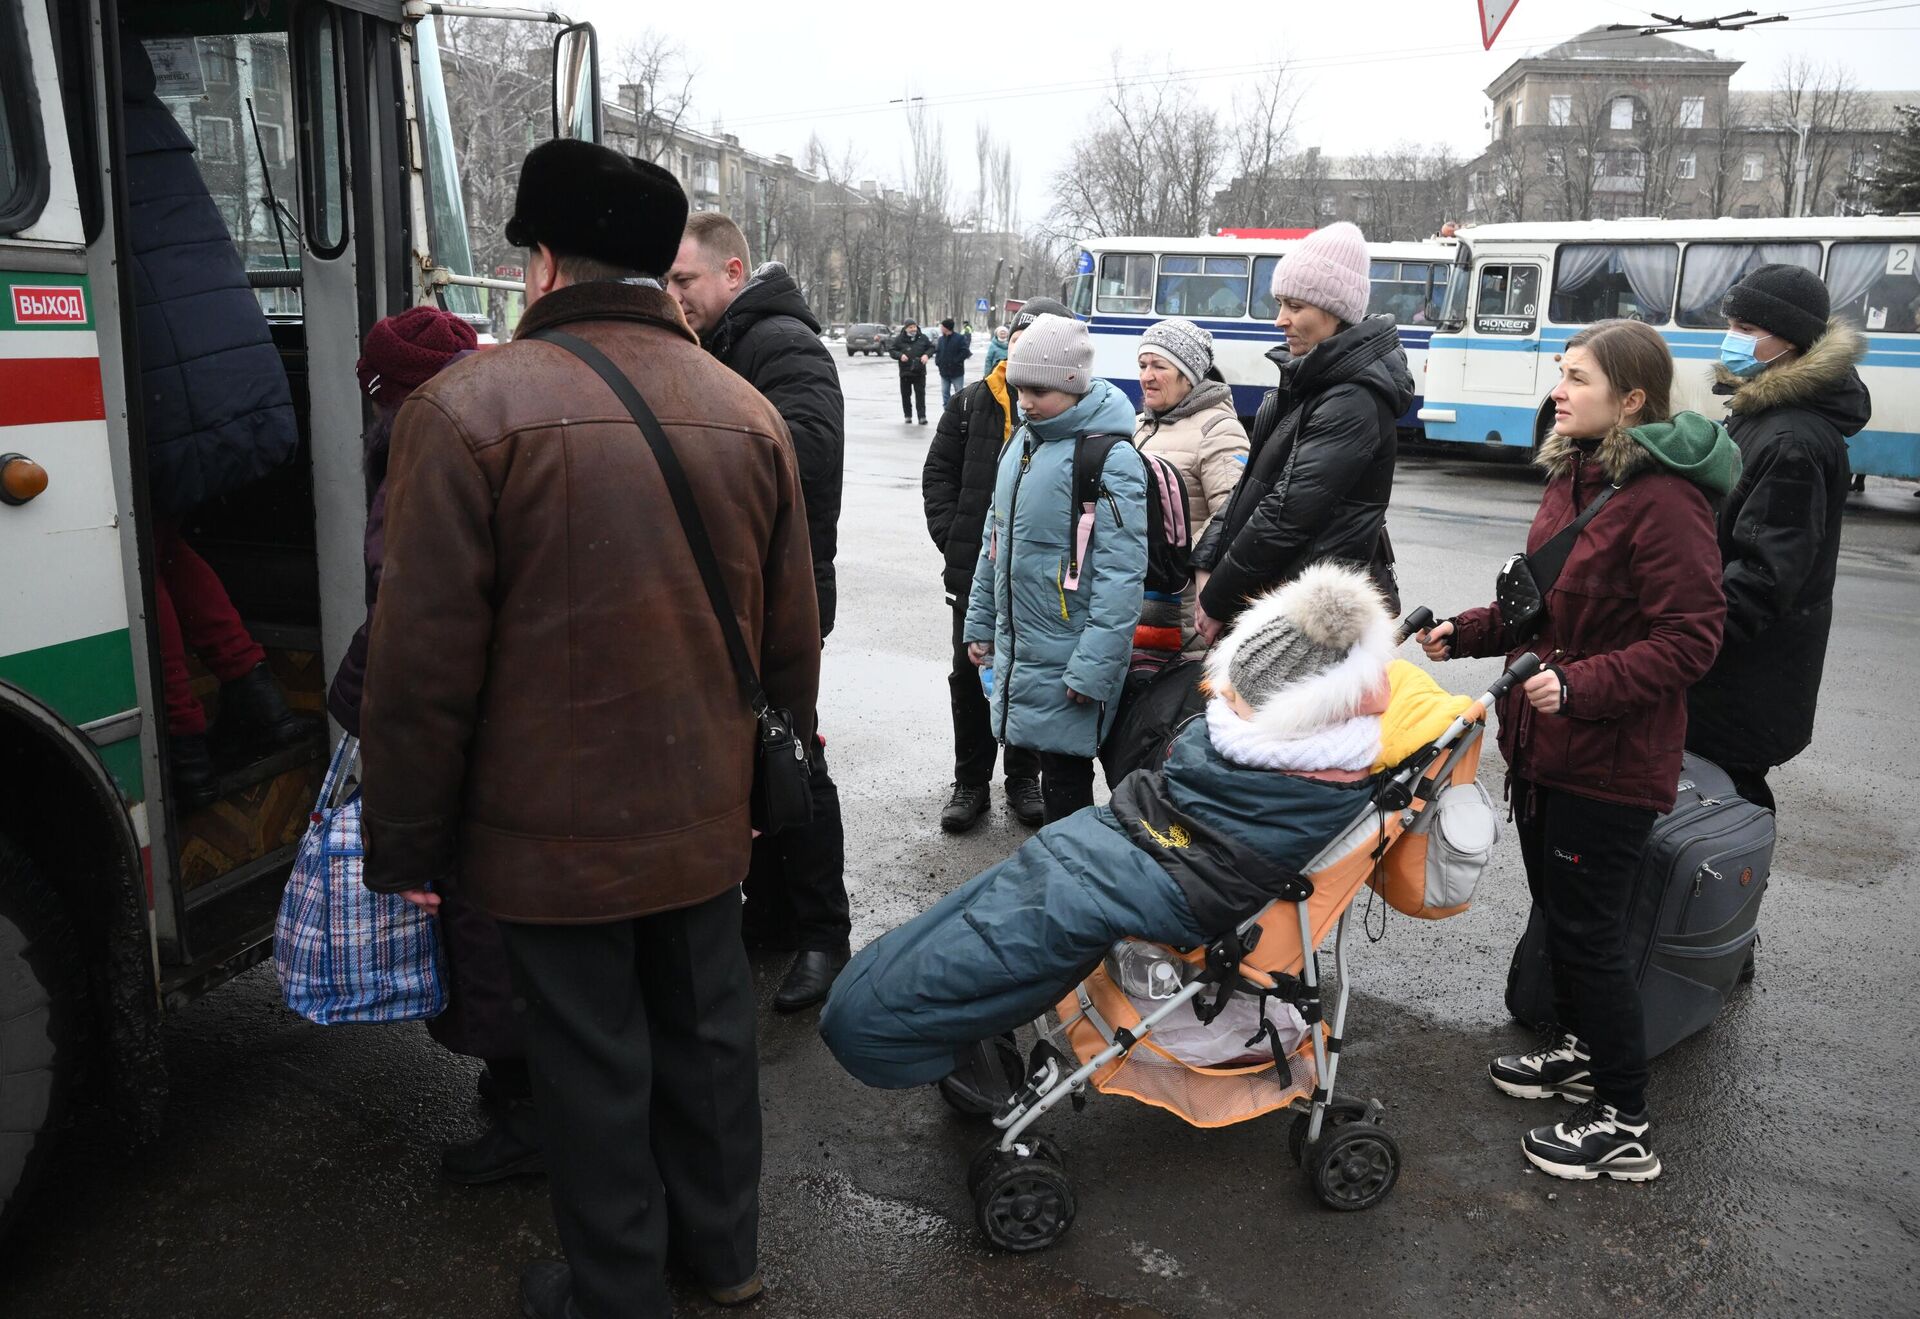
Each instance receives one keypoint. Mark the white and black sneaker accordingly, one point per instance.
(1595, 1142)
(1561, 1067)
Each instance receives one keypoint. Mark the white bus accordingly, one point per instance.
(117, 901)
(1522, 290)
(1123, 285)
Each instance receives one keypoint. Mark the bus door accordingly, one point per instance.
(1503, 348)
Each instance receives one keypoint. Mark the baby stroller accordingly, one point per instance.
(1023, 1198)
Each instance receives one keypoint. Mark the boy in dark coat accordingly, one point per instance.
(1796, 398)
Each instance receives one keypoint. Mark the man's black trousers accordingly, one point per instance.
(797, 884)
(913, 393)
(1582, 857)
(641, 1035)
(974, 748)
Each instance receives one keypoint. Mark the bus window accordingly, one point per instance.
(1202, 286)
(1077, 292)
(1600, 281)
(320, 135)
(23, 176)
(1876, 285)
(1710, 269)
(1404, 291)
(1509, 301)
(218, 89)
(1264, 307)
(1126, 283)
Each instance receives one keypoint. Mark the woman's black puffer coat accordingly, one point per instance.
(1317, 492)
(214, 397)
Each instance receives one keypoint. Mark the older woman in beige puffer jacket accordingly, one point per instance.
(1188, 418)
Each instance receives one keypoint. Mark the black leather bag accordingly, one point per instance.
(782, 766)
(1521, 589)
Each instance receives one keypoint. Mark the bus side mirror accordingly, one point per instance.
(576, 83)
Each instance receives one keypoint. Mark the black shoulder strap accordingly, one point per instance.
(1545, 565)
(684, 504)
(1089, 461)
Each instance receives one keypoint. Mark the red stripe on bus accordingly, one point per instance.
(38, 390)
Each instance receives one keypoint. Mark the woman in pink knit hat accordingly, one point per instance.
(1320, 463)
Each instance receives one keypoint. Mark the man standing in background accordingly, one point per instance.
(761, 327)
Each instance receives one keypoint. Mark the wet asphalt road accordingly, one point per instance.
(297, 1174)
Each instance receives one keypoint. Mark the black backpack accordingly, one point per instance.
(1169, 537)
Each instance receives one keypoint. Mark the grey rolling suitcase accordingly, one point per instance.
(1692, 925)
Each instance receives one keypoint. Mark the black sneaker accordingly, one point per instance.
(1595, 1142)
(1023, 799)
(194, 783)
(1561, 1067)
(254, 718)
(964, 808)
(509, 1147)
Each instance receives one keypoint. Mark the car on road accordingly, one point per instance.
(867, 337)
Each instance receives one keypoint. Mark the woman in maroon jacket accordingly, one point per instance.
(1593, 742)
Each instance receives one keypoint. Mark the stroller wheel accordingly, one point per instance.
(1354, 1166)
(1339, 1113)
(994, 1073)
(1024, 1204)
(1032, 1145)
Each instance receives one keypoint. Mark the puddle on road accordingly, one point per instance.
(834, 1193)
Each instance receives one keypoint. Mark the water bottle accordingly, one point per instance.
(986, 680)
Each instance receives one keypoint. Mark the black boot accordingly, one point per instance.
(1023, 797)
(964, 808)
(254, 718)
(546, 1290)
(509, 1147)
(809, 978)
(194, 783)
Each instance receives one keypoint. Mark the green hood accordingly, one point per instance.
(1694, 447)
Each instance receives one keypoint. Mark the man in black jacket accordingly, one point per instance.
(951, 355)
(957, 487)
(912, 350)
(1796, 399)
(796, 889)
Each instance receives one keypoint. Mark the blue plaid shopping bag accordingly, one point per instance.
(342, 951)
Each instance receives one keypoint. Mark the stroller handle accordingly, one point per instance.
(1419, 619)
(1517, 672)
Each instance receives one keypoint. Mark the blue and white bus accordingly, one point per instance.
(1123, 285)
(1522, 290)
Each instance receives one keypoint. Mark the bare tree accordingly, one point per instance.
(1148, 163)
(1583, 144)
(1515, 169)
(1661, 135)
(655, 82)
(1261, 147)
(1814, 110)
(1721, 156)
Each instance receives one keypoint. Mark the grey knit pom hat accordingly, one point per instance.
(1053, 353)
(1186, 346)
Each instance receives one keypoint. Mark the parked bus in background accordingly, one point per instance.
(1123, 285)
(1523, 289)
(117, 902)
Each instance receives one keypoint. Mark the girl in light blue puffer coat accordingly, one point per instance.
(1057, 590)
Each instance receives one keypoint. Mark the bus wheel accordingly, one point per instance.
(42, 1002)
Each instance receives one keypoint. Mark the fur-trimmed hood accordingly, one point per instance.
(1334, 605)
(1823, 379)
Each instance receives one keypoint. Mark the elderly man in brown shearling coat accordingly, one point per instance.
(551, 723)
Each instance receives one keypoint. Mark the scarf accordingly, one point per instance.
(1351, 747)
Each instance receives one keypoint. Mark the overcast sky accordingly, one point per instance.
(1374, 72)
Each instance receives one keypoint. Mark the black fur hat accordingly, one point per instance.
(583, 199)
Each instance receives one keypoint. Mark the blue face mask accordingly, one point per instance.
(1736, 354)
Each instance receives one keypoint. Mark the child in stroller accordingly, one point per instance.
(1299, 722)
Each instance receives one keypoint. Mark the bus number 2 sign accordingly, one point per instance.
(49, 306)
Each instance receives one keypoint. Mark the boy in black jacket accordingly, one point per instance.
(1796, 399)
